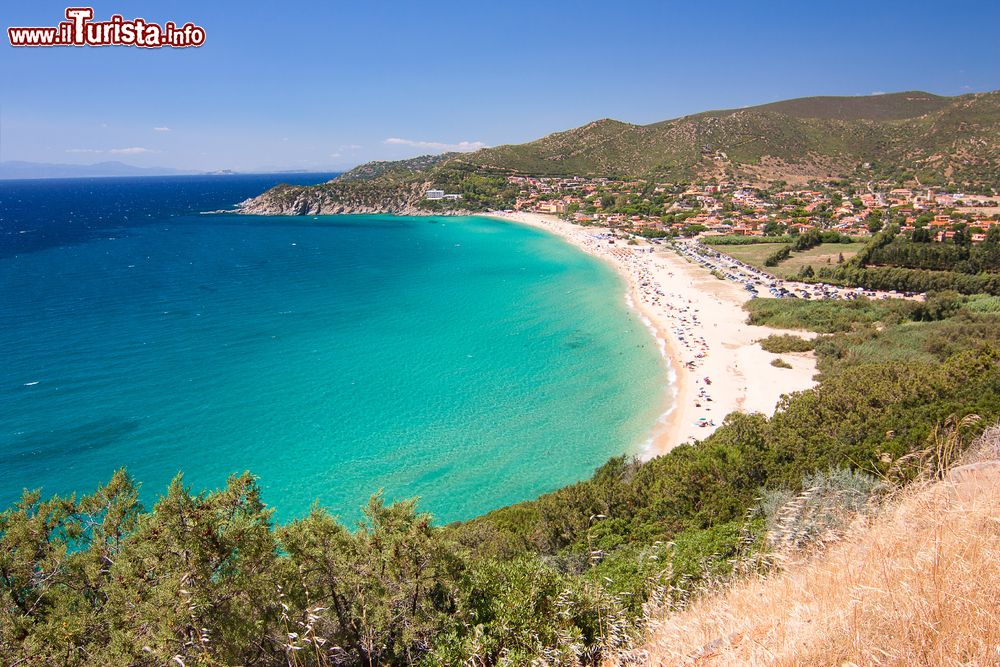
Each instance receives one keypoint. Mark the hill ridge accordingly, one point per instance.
(910, 137)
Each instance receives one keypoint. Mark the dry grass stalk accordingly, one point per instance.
(917, 585)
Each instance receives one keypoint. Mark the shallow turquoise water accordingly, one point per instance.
(468, 361)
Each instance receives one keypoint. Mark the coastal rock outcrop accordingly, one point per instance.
(339, 197)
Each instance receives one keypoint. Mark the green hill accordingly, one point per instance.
(892, 106)
(939, 139)
(910, 137)
(395, 169)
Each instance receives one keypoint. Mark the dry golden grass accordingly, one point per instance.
(919, 584)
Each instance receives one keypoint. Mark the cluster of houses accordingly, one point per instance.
(942, 228)
(735, 209)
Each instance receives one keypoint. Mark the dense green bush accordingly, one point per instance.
(911, 280)
(809, 239)
(778, 256)
(826, 316)
(963, 258)
(891, 262)
(982, 303)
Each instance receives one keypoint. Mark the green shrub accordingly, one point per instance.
(701, 558)
(784, 343)
(982, 303)
(778, 256)
(911, 280)
(827, 316)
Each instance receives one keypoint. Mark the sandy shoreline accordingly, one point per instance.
(717, 365)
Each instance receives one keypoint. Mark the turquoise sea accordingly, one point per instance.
(467, 361)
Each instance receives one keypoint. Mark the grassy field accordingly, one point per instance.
(753, 255)
(822, 255)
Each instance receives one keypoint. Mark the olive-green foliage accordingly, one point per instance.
(937, 306)
(947, 256)
(889, 262)
(778, 256)
(809, 239)
(925, 342)
(827, 316)
(205, 579)
(701, 557)
(385, 589)
(912, 280)
(982, 303)
(782, 343)
(480, 190)
(928, 331)
(97, 581)
(780, 363)
(794, 131)
(516, 610)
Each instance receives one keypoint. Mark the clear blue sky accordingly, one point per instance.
(329, 84)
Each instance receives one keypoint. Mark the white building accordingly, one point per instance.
(434, 194)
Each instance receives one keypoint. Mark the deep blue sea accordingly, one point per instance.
(467, 361)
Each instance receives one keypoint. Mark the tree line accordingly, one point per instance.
(892, 262)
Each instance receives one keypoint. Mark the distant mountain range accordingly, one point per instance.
(12, 169)
(911, 137)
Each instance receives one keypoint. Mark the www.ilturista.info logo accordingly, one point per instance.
(80, 30)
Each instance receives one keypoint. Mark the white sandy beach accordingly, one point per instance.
(719, 366)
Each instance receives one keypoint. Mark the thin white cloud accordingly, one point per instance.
(879, 92)
(132, 150)
(161, 129)
(462, 146)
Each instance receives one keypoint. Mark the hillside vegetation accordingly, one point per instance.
(938, 139)
(396, 169)
(902, 137)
